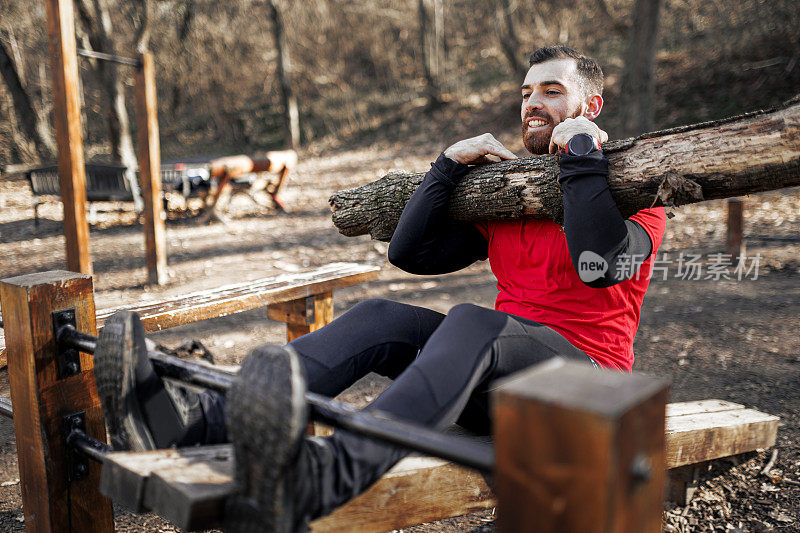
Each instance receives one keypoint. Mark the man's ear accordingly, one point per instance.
(592, 106)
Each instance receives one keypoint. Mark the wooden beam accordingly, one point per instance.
(188, 487)
(303, 315)
(240, 297)
(703, 436)
(150, 169)
(579, 450)
(71, 170)
(41, 400)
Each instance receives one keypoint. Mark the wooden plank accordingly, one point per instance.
(244, 296)
(188, 487)
(149, 151)
(41, 400)
(700, 406)
(71, 171)
(193, 495)
(700, 437)
(415, 491)
(568, 441)
(126, 474)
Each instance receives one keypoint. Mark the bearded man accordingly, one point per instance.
(442, 366)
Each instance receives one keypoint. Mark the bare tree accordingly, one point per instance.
(432, 89)
(95, 20)
(638, 80)
(32, 121)
(504, 24)
(291, 115)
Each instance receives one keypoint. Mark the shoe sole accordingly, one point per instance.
(118, 346)
(266, 417)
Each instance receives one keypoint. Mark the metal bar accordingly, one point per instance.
(374, 424)
(90, 447)
(382, 426)
(5, 407)
(109, 57)
(72, 338)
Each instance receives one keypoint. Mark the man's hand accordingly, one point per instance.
(571, 127)
(479, 150)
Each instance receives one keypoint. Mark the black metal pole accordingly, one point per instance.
(89, 446)
(374, 424)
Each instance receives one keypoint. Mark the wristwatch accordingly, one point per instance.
(582, 144)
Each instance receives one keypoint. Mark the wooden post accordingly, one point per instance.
(303, 315)
(735, 246)
(579, 450)
(71, 170)
(150, 169)
(41, 400)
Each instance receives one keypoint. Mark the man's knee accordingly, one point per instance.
(469, 313)
(377, 307)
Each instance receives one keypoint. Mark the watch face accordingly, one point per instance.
(581, 144)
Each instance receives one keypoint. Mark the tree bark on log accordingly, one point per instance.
(741, 155)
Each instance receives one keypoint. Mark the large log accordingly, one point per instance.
(749, 153)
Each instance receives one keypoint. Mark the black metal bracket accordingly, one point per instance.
(77, 463)
(68, 360)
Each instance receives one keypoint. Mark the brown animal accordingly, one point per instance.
(226, 169)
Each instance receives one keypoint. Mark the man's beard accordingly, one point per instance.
(538, 142)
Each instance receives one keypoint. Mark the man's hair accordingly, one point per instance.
(590, 72)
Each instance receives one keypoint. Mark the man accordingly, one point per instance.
(442, 366)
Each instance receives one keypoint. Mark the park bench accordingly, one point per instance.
(189, 486)
(105, 182)
(304, 301)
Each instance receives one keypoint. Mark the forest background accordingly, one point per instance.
(229, 73)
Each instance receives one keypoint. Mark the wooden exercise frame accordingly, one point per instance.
(71, 170)
(577, 449)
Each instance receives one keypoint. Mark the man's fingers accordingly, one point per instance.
(603, 136)
(501, 151)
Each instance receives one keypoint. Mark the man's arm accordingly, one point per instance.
(426, 240)
(593, 223)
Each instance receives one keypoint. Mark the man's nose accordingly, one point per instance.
(533, 102)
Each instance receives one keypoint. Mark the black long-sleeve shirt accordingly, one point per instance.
(427, 241)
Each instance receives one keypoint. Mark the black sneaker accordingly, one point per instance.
(141, 411)
(266, 418)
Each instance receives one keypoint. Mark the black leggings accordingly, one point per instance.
(442, 367)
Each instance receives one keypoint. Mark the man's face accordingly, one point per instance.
(551, 93)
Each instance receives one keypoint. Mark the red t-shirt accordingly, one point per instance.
(537, 281)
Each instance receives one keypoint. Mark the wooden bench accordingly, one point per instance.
(189, 486)
(106, 182)
(303, 300)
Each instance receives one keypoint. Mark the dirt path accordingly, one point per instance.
(727, 339)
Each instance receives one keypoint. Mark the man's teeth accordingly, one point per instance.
(536, 123)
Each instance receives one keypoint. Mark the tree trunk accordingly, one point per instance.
(431, 85)
(33, 124)
(732, 157)
(96, 22)
(291, 116)
(638, 80)
(504, 24)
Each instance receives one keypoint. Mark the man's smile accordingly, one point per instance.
(536, 123)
